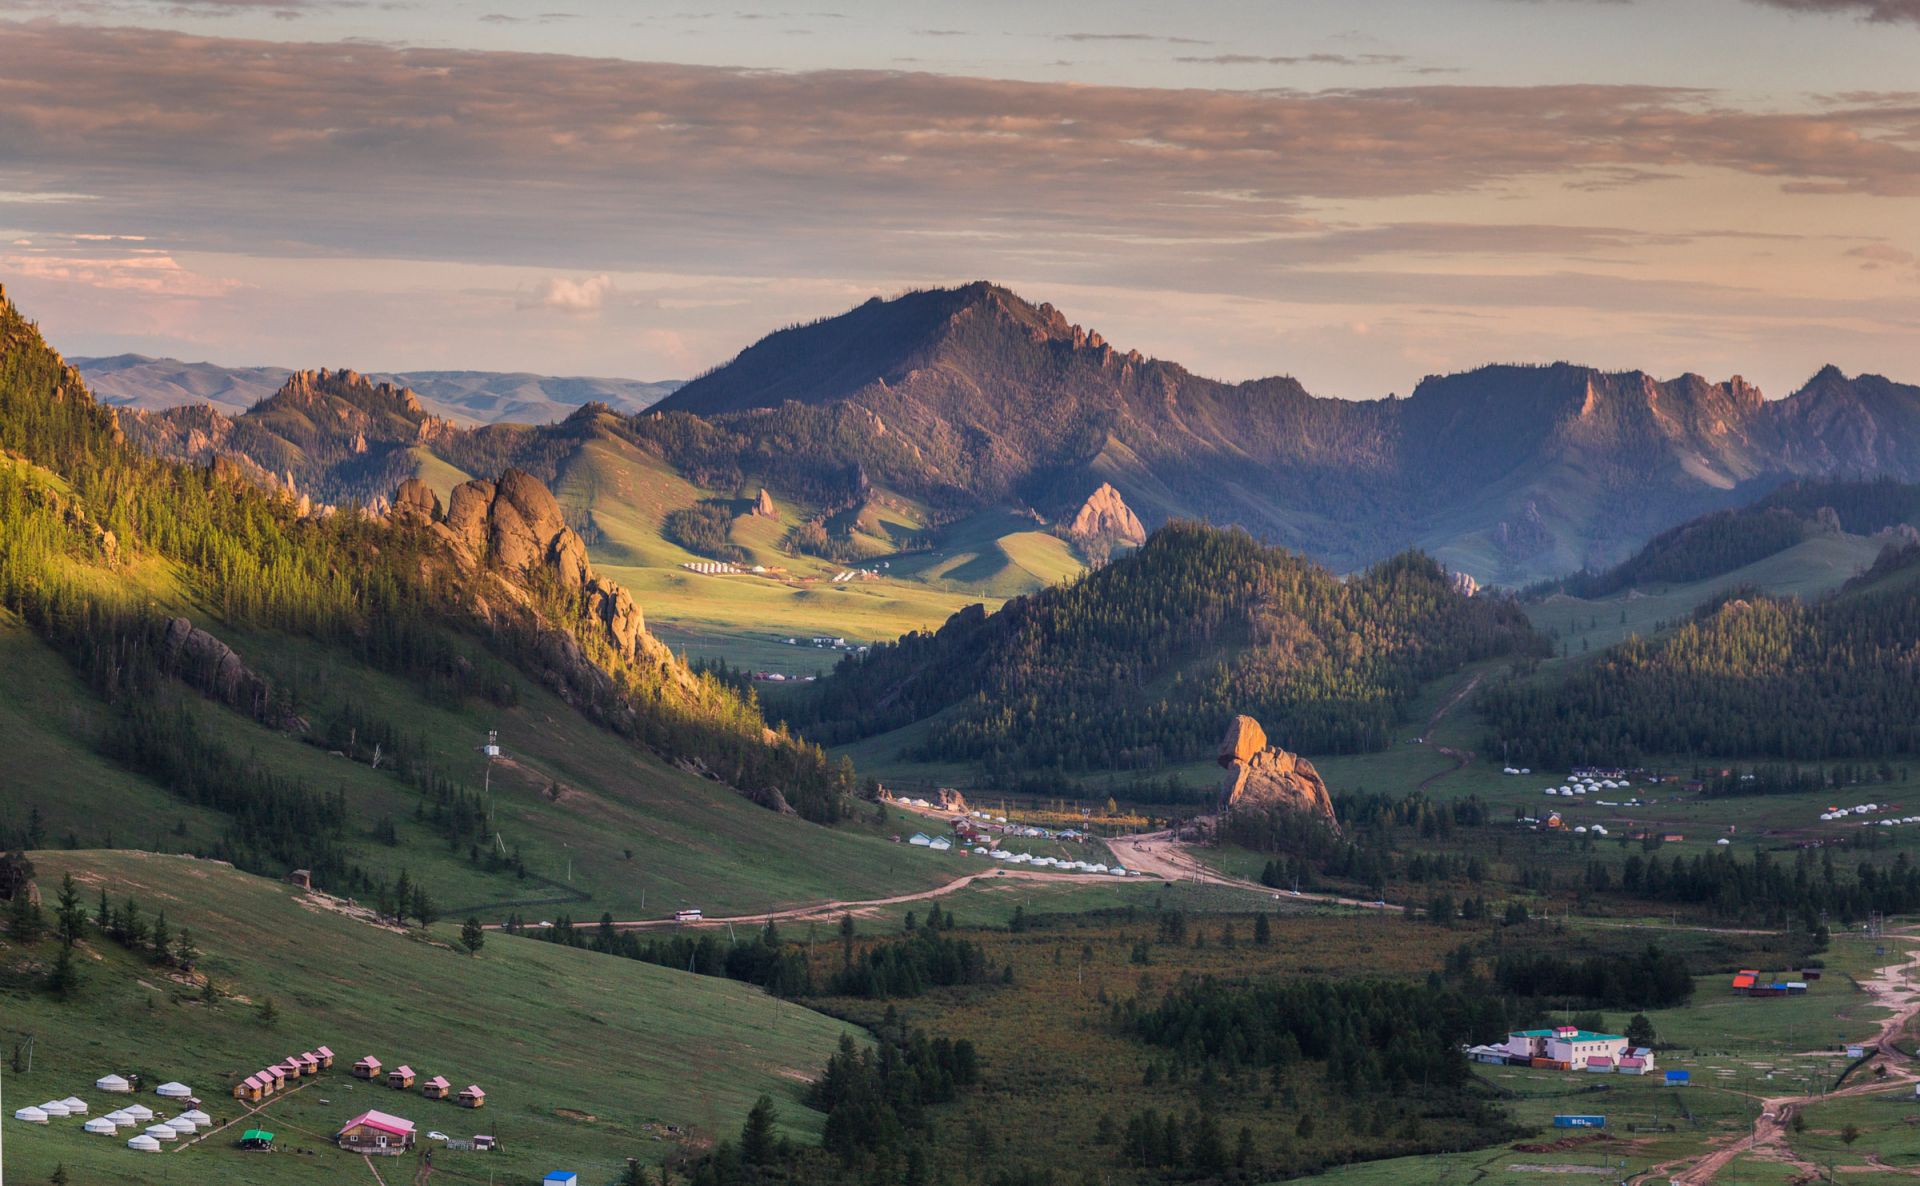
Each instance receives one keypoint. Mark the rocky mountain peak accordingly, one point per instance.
(1262, 776)
(1106, 516)
(352, 388)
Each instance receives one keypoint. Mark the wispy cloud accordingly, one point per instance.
(1319, 59)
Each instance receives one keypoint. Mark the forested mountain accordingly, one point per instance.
(1751, 676)
(467, 397)
(1144, 662)
(971, 399)
(133, 567)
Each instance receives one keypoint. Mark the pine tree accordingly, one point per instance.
(24, 920)
(757, 1142)
(184, 952)
(71, 915)
(64, 980)
(1262, 930)
(473, 936)
(162, 939)
(423, 908)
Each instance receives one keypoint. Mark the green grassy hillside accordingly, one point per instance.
(585, 1059)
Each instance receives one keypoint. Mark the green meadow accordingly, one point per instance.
(585, 1059)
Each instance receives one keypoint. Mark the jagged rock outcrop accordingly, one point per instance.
(1464, 584)
(513, 531)
(1106, 516)
(763, 505)
(204, 662)
(1261, 776)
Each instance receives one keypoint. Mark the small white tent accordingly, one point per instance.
(173, 1091)
(144, 1144)
(31, 1115)
(101, 1126)
(183, 1126)
(162, 1132)
(139, 1112)
(113, 1083)
(121, 1119)
(197, 1118)
(75, 1105)
(54, 1108)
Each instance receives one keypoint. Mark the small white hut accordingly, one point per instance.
(30, 1115)
(173, 1091)
(75, 1105)
(100, 1126)
(162, 1132)
(144, 1144)
(112, 1083)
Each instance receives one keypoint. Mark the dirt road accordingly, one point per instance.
(1768, 1139)
(1160, 855)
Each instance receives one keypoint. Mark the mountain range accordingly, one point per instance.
(464, 397)
(970, 399)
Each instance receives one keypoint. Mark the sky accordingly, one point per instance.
(1357, 195)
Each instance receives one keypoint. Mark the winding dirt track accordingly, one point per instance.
(1768, 1139)
(1159, 854)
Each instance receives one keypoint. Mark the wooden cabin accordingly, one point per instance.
(437, 1088)
(367, 1068)
(376, 1132)
(472, 1097)
(400, 1077)
(309, 1063)
(248, 1089)
(326, 1056)
(278, 1075)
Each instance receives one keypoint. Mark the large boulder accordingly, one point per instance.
(526, 522)
(763, 505)
(467, 513)
(1261, 776)
(415, 502)
(1106, 516)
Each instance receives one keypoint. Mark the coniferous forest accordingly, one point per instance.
(1752, 675)
(1138, 664)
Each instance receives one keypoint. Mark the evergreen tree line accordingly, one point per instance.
(1763, 676)
(1654, 979)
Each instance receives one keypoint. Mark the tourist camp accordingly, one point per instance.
(376, 1132)
(1568, 1048)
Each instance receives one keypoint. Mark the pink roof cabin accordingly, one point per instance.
(437, 1088)
(1599, 1062)
(366, 1068)
(310, 1063)
(326, 1055)
(248, 1088)
(472, 1097)
(277, 1074)
(375, 1131)
(400, 1076)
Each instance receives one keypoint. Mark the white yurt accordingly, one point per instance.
(55, 1109)
(101, 1126)
(113, 1083)
(122, 1119)
(31, 1115)
(75, 1105)
(139, 1112)
(173, 1091)
(183, 1126)
(162, 1132)
(144, 1144)
(198, 1118)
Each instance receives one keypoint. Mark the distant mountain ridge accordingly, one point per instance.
(1504, 472)
(465, 397)
(970, 399)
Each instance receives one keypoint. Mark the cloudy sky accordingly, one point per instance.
(1355, 194)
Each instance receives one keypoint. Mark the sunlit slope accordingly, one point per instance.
(579, 1053)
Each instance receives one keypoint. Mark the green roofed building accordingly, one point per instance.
(1567, 1045)
(256, 1138)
